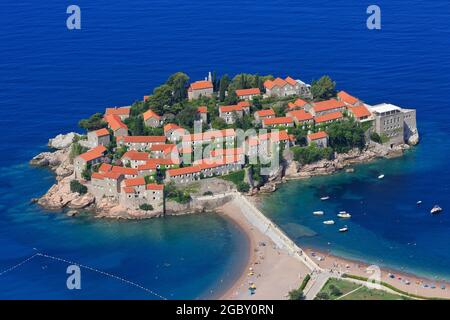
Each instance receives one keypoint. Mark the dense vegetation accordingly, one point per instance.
(323, 89)
(345, 135)
(311, 153)
(177, 195)
(146, 207)
(76, 186)
(94, 122)
(297, 294)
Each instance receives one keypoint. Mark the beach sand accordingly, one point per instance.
(275, 272)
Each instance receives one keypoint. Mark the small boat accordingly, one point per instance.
(381, 176)
(325, 198)
(344, 215)
(436, 209)
(344, 229)
(343, 211)
(328, 222)
(318, 213)
(419, 202)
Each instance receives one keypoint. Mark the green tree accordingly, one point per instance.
(187, 116)
(75, 150)
(86, 173)
(162, 96)
(94, 122)
(375, 137)
(223, 87)
(146, 207)
(243, 187)
(218, 123)
(310, 154)
(135, 125)
(232, 98)
(296, 294)
(323, 89)
(179, 83)
(76, 186)
(345, 135)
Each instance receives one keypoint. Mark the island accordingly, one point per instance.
(190, 146)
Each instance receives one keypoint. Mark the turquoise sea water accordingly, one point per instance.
(51, 77)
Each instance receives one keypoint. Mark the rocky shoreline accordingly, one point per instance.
(60, 198)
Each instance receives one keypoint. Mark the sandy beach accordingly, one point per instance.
(273, 271)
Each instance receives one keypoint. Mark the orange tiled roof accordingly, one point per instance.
(104, 167)
(181, 171)
(265, 113)
(201, 85)
(142, 139)
(230, 108)
(150, 114)
(136, 155)
(359, 111)
(114, 122)
(202, 109)
(139, 181)
(300, 115)
(94, 153)
(278, 82)
(327, 105)
(154, 186)
(297, 104)
(149, 165)
(102, 132)
(247, 92)
(317, 135)
(128, 189)
(122, 111)
(163, 147)
(347, 98)
(291, 81)
(171, 126)
(209, 135)
(227, 152)
(124, 170)
(96, 175)
(328, 117)
(243, 104)
(277, 121)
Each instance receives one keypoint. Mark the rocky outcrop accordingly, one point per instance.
(413, 139)
(59, 196)
(62, 141)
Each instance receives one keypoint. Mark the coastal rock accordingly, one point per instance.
(50, 159)
(292, 168)
(82, 201)
(413, 139)
(62, 141)
(72, 213)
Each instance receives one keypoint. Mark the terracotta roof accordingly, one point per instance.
(247, 92)
(102, 132)
(96, 175)
(128, 189)
(154, 186)
(329, 117)
(265, 113)
(202, 109)
(163, 147)
(112, 175)
(171, 126)
(269, 84)
(149, 165)
(243, 104)
(275, 136)
(124, 170)
(360, 111)
(150, 114)
(277, 121)
(166, 161)
(300, 115)
(122, 111)
(227, 152)
(104, 167)
(142, 139)
(345, 97)
(327, 105)
(94, 153)
(200, 85)
(115, 123)
(140, 181)
(317, 135)
(297, 104)
(145, 98)
(230, 108)
(136, 155)
(181, 171)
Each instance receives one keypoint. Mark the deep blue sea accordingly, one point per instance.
(50, 77)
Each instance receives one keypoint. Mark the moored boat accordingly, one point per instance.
(328, 222)
(318, 213)
(343, 229)
(325, 198)
(436, 209)
(381, 176)
(344, 215)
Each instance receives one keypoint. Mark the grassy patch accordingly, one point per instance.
(235, 177)
(338, 288)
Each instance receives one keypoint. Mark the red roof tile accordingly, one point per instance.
(142, 139)
(122, 111)
(150, 114)
(202, 109)
(360, 111)
(115, 123)
(300, 115)
(297, 104)
(265, 113)
(328, 117)
(124, 170)
(181, 171)
(345, 97)
(94, 153)
(140, 181)
(104, 167)
(201, 85)
(248, 92)
(317, 135)
(327, 105)
(136, 155)
(277, 121)
(102, 132)
(154, 186)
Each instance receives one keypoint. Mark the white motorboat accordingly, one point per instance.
(318, 213)
(325, 198)
(343, 211)
(328, 222)
(344, 215)
(381, 176)
(436, 209)
(344, 229)
(419, 202)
